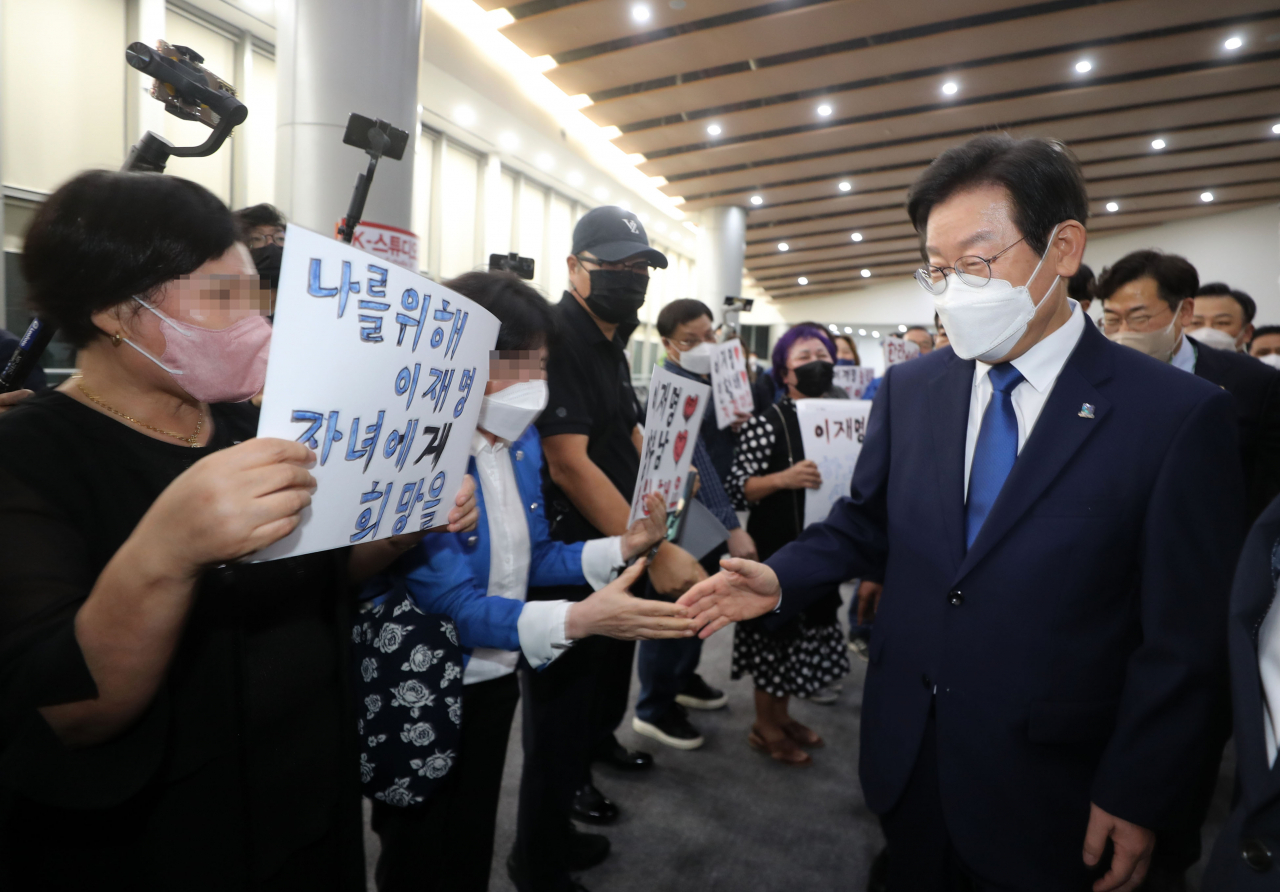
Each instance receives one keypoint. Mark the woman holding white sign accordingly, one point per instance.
(769, 476)
(170, 717)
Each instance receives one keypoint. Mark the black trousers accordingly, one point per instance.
(566, 707)
(613, 688)
(446, 844)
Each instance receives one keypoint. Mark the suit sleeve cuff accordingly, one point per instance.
(542, 631)
(602, 561)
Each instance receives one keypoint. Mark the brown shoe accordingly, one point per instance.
(806, 737)
(784, 751)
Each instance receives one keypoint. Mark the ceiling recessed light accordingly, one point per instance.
(866, 274)
(610, 132)
(601, 193)
(1233, 43)
(875, 334)
(500, 18)
(575, 178)
(464, 115)
(581, 100)
(1158, 144)
(783, 246)
(824, 110)
(640, 12)
(544, 63)
(1084, 66)
(757, 199)
(863, 332)
(857, 236)
(1206, 196)
(713, 129)
(902, 328)
(833, 326)
(509, 141)
(802, 281)
(1275, 128)
(846, 186)
(950, 88)
(848, 330)
(1112, 206)
(545, 161)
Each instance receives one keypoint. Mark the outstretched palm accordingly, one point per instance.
(741, 590)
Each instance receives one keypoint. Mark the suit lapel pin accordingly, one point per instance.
(1086, 410)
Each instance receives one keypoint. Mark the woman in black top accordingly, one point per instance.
(169, 718)
(769, 475)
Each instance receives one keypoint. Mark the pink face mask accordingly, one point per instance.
(228, 365)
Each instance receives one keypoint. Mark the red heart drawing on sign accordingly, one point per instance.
(682, 438)
(689, 405)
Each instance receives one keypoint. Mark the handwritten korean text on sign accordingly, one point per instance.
(854, 379)
(730, 382)
(381, 372)
(671, 425)
(898, 350)
(832, 431)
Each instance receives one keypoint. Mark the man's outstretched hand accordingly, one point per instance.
(741, 590)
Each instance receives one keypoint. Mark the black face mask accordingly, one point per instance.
(267, 261)
(814, 378)
(616, 294)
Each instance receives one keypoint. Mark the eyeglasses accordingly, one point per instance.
(1138, 319)
(690, 343)
(261, 240)
(971, 269)
(636, 266)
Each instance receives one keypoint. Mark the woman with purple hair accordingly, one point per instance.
(769, 475)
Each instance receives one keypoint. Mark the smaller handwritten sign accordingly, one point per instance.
(730, 382)
(671, 426)
(854, 379)
(898, 350)
(832, 432)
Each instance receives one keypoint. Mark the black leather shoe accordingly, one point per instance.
(878, 880)
(618, 756)
(593, 807)
(586, 850)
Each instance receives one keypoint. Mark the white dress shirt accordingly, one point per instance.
(1040, 367)
(1269, 670)
(1184, 357)
(542, 623)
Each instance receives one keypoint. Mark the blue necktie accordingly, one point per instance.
(995, 451)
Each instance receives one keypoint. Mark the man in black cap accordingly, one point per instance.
(591, 443)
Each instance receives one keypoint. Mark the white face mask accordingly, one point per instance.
(986, 322)
(1216, 338)
(509, 412)
(1271, 359)
(1159, 344)
(697, 360)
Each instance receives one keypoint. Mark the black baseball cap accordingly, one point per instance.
(612, 234)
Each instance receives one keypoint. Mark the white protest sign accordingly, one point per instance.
(832, 431)
(853, 379)
(898, 350)
(671, 425)
(730, 382)
(381, 372)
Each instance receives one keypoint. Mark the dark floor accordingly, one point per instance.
(726, 818)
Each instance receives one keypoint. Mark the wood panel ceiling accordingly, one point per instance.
(773, 105)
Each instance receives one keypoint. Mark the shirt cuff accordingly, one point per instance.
(602, 561)
(542, 631)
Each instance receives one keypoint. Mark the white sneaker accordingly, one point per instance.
(673, 730)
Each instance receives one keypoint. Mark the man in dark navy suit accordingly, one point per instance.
(1247, 854)
(1056, 561)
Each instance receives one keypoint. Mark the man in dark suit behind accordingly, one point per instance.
(1149, 302)
(1247, 853)
(1057, 524)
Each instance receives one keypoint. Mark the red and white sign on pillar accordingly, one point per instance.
(391, 243)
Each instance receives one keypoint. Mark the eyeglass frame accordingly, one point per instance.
(685, 346)
(617, 265)
(274, 238)
(923, 273)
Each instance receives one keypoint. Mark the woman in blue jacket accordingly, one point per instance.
(481, 580)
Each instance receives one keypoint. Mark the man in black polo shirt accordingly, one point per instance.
(591, 443)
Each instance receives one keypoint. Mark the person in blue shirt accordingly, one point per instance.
(481, 580)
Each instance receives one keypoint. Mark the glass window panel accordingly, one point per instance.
(459, 191)
(420, 220)
(533, 215)
(559, 243)
(260, 130)
(505, 208)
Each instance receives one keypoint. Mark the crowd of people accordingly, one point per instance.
(1042, 533)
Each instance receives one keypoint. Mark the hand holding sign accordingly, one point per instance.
(374, 368)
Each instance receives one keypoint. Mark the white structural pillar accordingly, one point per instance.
(721, 249)
(335, 57)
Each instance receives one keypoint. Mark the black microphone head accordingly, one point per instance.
(139, 56)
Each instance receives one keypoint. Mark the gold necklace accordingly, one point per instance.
(191, 441)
